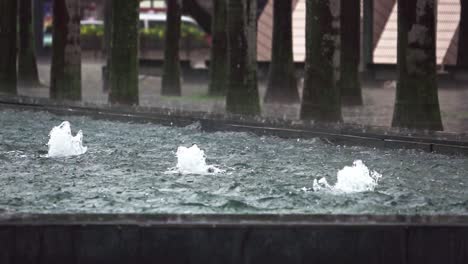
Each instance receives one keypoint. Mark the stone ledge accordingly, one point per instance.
(231, 220)
(340, 134)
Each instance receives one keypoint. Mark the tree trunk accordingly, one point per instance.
(8, 46)
(171, 68)
(368, 33)
(107, 44)
(219, 59)
(27, 65)
(38, 22)
(242, 94)
(417, 103)
(65, 80)
(282, 83)
(350, 85)
(321, 95)
(462, 57)
(124, 53)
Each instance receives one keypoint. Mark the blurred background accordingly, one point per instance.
(377, 62)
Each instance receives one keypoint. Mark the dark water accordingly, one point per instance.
(124, 171)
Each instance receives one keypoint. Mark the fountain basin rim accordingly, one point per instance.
(447, 143)
(231, 220)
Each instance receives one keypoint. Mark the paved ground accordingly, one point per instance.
(377, 109)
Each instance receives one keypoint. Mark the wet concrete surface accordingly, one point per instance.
(377, 110)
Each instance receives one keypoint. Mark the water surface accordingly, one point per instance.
(125, 169)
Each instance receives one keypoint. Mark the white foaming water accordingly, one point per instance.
(351, 179)
(62, 143)
(193, 161)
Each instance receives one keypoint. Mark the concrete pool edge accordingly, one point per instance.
(27, 238)
(439, 142)
(231, 220)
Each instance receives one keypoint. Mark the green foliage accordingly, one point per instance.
(92, 30)
(156, 32)
(192, 31)
(187, 31)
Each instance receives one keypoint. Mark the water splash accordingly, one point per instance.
(351, 179)
(193, 161)
(63, 144)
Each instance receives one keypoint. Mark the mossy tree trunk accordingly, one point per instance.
(282, 82)
(219, 59)
(321, 96)
(242, 94)
(171, 68)
(350, 85)
(107, 44)
(462, 57)
(65, 79)
(38, 22)
(417, 103)
(124, 53)
(368, 33)
(8, 38)
(27, 65)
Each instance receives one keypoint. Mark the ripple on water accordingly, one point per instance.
(124, 171)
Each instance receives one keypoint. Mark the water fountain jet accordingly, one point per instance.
(63, 144)
(351, 179)
(192, 160)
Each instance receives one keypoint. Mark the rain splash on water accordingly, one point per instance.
(351, 179)
(125, 173)
(63, 144)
